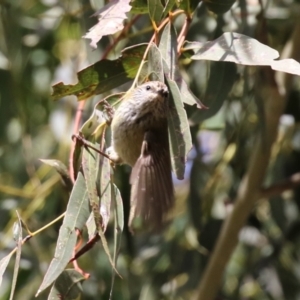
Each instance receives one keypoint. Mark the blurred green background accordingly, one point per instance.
(41, 44)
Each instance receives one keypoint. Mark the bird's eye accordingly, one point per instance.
(148, 87)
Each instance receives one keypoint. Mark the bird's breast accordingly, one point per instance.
(128, 135)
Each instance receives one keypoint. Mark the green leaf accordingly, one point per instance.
(90, 169)
(155, 10)
(104, 175)
(103, 76)
(168, 48)
(3, 265)
(67, 286)
(179, 130)
(139, 6)
(118, 227)
(76, 215)
(18, 238)
(155, 65)
(223, 76)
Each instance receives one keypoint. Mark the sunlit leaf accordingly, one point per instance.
(242, 49)
(179, 130)
(18, 257)
(3, 265)
(67, 286)
(110, 20)
(155, 65)
(118, 227)
(76, 215)
(168, 48)
(105, 190)
(103, 76)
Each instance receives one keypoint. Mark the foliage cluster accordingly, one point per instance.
(234, 139)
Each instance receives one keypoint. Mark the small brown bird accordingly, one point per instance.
(140, 139)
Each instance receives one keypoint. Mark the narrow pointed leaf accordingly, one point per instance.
(168, 48)
(155, 64)
(89, 165)
(105, 190)
(76, 216)
(18, 257)
(3, 265)
(118, 227)
(179, 130)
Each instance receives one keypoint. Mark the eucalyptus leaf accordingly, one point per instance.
(67, 286)
(103, 76)
(76, 215)
(222, 76)
(179, 131)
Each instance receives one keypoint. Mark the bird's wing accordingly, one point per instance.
(152, 192)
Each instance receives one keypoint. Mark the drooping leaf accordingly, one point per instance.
(155, 10)
(222, 76)
(105, 190)
(103, 76)
(18, 239)
(67, 286)
(76, 215)
(61, 169)
(168, 48)
(118, 227)
(90, 168)
(241, 49)
(179, 130)
(110, 20)
(3, 265)
(155, 65)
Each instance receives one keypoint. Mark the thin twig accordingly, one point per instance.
(183, 33)
(77, 122)
(280, 187)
